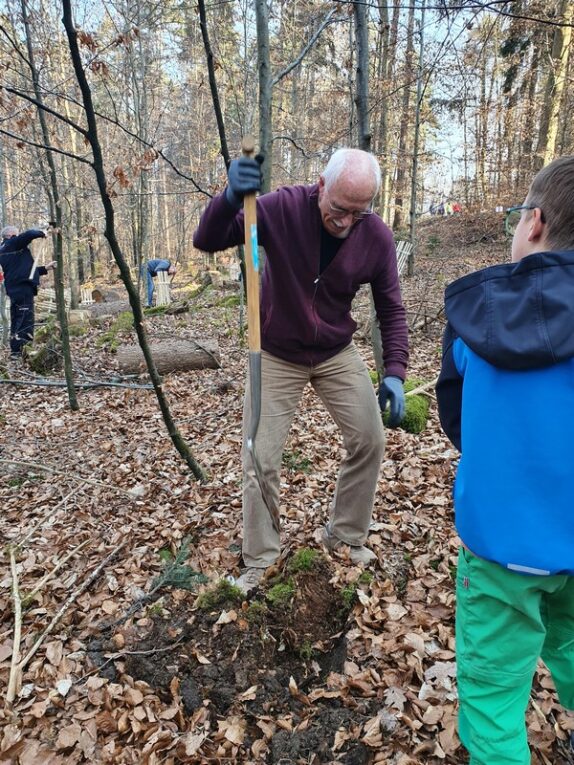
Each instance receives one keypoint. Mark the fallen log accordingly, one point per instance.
(171, 356)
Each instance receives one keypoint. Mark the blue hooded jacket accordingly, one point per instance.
(153, 266)
(16, 261)
(506, 401)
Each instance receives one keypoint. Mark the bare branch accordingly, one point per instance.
(43, 106)
(15, 671)
(294, 142)
(49, 469)
(115, 121)
(28, 142)
(306, 49)
(68, 602)
(83, 386)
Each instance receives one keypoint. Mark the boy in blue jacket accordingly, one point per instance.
(506, 401)
(21, 278)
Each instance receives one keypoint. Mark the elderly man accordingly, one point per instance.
(322, 242)
(21, 278)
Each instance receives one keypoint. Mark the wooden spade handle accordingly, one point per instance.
(251, 257)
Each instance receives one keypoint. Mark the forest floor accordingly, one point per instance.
(153, 658)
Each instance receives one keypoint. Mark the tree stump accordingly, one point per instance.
(171, 356)
(108, 310)
(105, 295)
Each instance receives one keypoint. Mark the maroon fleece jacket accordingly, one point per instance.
(305, 315)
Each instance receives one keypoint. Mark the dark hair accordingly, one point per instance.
(552, 190)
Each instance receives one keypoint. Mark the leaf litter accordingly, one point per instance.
(349, 667)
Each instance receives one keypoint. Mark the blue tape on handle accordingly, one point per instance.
(254, 247)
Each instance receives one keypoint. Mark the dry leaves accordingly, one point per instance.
(109, 473)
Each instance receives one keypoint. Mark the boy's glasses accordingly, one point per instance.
(513, 215)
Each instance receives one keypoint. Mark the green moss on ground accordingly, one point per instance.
(416, 409)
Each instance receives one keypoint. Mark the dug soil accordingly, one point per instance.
(254, 658)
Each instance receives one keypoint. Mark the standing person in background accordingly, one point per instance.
(21, 279)
(152, 269)
(322, 242)
(506, 401)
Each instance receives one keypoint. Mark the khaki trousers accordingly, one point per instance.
(344, 386)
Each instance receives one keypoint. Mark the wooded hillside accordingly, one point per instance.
(470, 96)
(122, 638)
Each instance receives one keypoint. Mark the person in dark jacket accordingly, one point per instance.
(322, 242)
(506, 401)
(21, 279)
(152, 269)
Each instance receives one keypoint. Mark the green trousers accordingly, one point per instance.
(505, 622)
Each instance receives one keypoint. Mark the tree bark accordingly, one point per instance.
(110, 234)
(265, 92)
(401, 190)
(56, 206)
(362, 73)
(171, 356)
(213, 84)
(554, 89)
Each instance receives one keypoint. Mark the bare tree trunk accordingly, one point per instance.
(414, 178)
(388, 68)
(401, 189)
(362, 81)
(57, 217)
(265, 92)
(213, 83)
(361, 100)
(554, 89)
(110, 234)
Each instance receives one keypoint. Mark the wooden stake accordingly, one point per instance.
(15, 671)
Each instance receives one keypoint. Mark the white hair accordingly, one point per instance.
(8, 231)
(342, 158)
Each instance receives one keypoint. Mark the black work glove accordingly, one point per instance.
(244, 177)
(392, 392)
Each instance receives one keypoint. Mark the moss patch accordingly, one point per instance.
(304, 560)
(281, 594)
(416, 409)
(223, 592)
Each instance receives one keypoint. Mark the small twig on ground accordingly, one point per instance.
(83, 386)
(21, 665)
(15, 672)
(41, 520)
(57, 567)
(422, 388)
(119, 654)
(49, 469)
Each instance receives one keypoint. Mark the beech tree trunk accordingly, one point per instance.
(171, 356)
(554, 89)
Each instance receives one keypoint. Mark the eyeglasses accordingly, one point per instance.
(513, 216)
(340, 212)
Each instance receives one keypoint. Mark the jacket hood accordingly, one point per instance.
(517, 315)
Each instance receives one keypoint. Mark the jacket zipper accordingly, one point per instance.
(316, 283)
